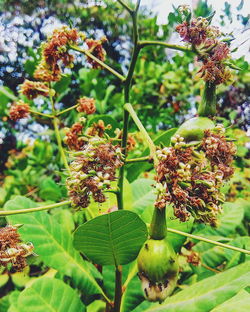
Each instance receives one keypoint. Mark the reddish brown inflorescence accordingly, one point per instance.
(12, 250)
(93, 171)
(190, 178)
(95, 48)
(211, 52)
(73, 138)
(33, 89)
(86, 105)
(19, 110)
(56, 49)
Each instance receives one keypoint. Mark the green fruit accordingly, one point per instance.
(158, 269)
(193, 129)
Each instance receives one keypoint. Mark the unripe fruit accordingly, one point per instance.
(158, 269)
(193, 129)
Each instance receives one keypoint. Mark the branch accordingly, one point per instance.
(67, 110)
(209, 241)
(40, 114)
(139, 159)
(111, 70)
(118, 288)
(126, 7)
(21, 211)
(145, 43)
(140, 126)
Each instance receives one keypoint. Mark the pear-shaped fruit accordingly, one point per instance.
(158, 269)
(193, 129)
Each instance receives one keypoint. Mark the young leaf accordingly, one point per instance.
(111, 239)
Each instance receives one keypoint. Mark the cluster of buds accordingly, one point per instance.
(73, 138)
(95, 47)
(32, 89)
(92, 172)
(56, 50)
(211, 52)
(19, 110)
(12, 250)
(86, 105)
(190, 177)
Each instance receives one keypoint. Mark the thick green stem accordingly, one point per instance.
(125, 6)
(145, 43)
(144, 132)
(59, 143)
(35, 209)
(127, 85)
(209, 241)
(108, 68)
(207, 105)
(118, 288)
(158, 226)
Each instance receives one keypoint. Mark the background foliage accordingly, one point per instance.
(165, 92)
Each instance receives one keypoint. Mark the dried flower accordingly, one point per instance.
(93, 171)
(73, 139)
(12, 250)
(191, 177)
(33, 89)
(19, 110)
(95, 48)
(86, 105)
(43, 72)
(98, 129)
(211, 51)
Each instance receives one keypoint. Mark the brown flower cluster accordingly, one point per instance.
(98, 129)
(95, 48)
(93, 171)
(54, 50)
(19, 110)
(86, 105)
(211, 51)
(12, 250)
(33, 89)
(191, 177)
(73, 138)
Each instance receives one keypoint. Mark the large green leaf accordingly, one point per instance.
(53, 243)
(111, 239)
(231, 217)
(239, 302)
(206, 294)
(49, 294)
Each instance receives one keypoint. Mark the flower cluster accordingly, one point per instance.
(211, 52)
(54, 50)
(19, 110)
(98, 129)
(95, 48)
(12, 250)
(32, 89)
(190, 177)
(73, 138)
(86, 105)
(93, 171)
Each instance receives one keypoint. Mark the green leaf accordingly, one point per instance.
(143, 195)
(239, 302)
(208, 293)
(49, 294)
(53, 243)
(111, 239)
(50, 190)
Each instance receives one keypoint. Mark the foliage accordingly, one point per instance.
(85, 259)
